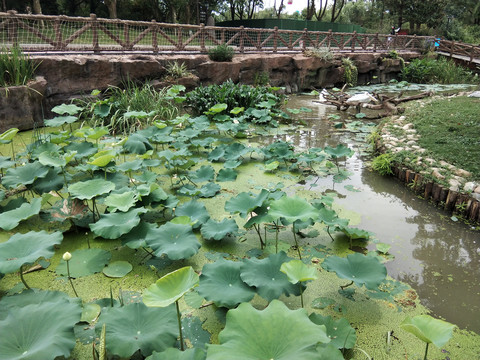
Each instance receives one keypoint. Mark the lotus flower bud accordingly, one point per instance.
(67, 256)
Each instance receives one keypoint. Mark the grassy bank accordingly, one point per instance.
(450, 130)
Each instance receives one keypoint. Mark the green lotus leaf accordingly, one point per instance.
(195, 210)
(213, 230)
(330, 217)
(428, 329)
(130, 165)
(339, 151)
(220, 282)
(96, 133)
(340, 332)
(205, 173)
(102, 160)
(87, 190)
(117, 269)
(70, 109)
(217, 153)
(189, 190)
(272, 165)
(121, 202)
(218, 108)
(83, 149)
(26, 248)
(177, 241)
(60, 120)
(39, 331)
(8, 135)
(6, 162)
(10, 219)
(209, 190)
(244, 203)
(232, 164)
(24, 175)
(226, 175)
(137, 144)
(90, 312)
(355, 233)
(298, 271)
(237, 110)
(292, 209)
(273, 333)
(383, 248)
(84, 262)
(170, 287)
(135, 114)
(52, 159)
(53, 181)
(176, 354)
(361, 269)
(112, 226)
(329, 352)
(266, 276)
(236, 150)
(138, 236)
(136, 327)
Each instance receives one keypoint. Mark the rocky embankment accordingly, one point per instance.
(446, 185)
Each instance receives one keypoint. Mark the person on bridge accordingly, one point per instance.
(394, 31)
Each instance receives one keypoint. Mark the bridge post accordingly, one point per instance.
(93, 20)
(375, 43)
(242, 40)
(354, 38)
(202, 38)
(57, 27)
(154, 37)
(12, 28)
(275, 34)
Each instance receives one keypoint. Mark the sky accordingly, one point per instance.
(297, 5)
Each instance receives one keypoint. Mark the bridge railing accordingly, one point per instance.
(468, 51)
(41, 33)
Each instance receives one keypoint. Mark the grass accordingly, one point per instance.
(16, 68)
(450, 130)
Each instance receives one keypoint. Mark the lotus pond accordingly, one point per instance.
(217, 237)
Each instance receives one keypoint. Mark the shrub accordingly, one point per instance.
(176, 70)
(322, 53)
(383, 164)
(443, 71)
(16, 68)
(234, 95)
(221, 53)
(350, 74)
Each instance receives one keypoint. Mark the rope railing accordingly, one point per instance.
(470, 52)
(42, 33)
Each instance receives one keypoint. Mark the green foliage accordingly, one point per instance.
(350, 75)
(233, 95)
(383, 164)
(177, 70)
(221, 53)
(443, 71)
(321, 53)
(16, 68)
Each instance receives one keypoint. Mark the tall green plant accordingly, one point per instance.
(16, 68)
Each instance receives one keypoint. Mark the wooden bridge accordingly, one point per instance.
(62, 34)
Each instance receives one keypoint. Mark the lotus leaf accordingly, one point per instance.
(292, 209)
(10, 219)
(137, 144)
(52, 159)
(266, 276)
(5, 162)
(217, 153)
(361, 269)
(329, 352)
(121, 202)
(340, 332)
(218, 108)
(355, 233)
(112, 226)
(136, 327)
(273, 333)
(297, 271)
(177, 241)
(428, 329)
(66, 209)
(87, 190)
(90, 312)
(226, 175)
(137, 237)
(8, 135)
(176, 354)
(26, 248)
(213, 230)
(101, 160)
(232, 164)
(205, 173)
(117, 269)
(39, 331)
(70, 109)
(383, 248)
(236, 150)
(24, 175)
(171, 287)
(209, 190)
(60, 120)
(130, 165)
(84, 262)
(195, 210)
(83, 149)
(53, 181)
(220, 282)
(193, 299)
(244, 203)
(339, 151)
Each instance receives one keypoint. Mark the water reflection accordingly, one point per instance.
(440, 258)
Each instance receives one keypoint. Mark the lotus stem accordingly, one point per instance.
(21, 278)
(301, 292)
(296, 242)
(276, 237)
(67, 256)
(179, 318)
(426, 352)
(328, 232)
(13, 151)
(345, 286)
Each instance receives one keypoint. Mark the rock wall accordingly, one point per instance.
(21, 106)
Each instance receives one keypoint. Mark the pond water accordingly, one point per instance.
(438, 257)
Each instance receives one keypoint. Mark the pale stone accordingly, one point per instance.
(436, 174)
(477, 190)
(469, 186)
(454, 184)
(463, 173)
(411, 142)
(407, 126)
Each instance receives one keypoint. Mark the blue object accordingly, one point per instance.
(437, 42)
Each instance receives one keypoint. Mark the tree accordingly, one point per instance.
(112, 8)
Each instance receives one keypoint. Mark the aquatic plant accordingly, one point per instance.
(297, 273)
(16, 68)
